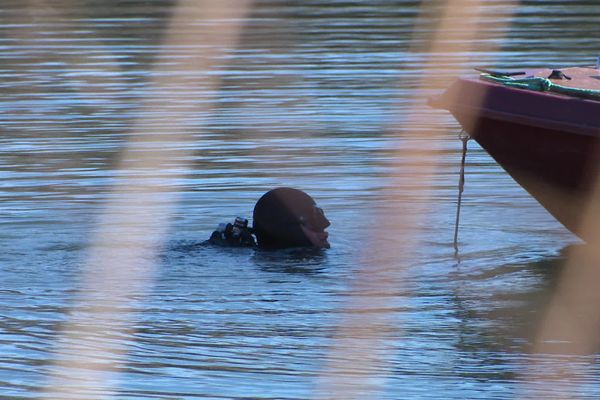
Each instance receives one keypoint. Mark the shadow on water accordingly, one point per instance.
(485, 322)
(501, 308)
(292, 261)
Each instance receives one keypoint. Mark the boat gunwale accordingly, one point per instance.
(463, 106)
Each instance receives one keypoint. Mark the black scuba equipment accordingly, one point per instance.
(236, 235)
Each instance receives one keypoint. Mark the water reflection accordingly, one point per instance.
(508, 301)
(292, 261)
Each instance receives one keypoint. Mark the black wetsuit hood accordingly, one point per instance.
(279, 215)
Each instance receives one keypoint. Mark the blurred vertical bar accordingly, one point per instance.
(569, 329)
(131, 231)
(358, 356)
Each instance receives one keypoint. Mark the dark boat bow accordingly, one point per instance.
(547, 142)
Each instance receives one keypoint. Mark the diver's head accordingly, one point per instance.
(286, 217)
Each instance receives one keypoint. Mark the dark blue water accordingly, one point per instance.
(106, 289)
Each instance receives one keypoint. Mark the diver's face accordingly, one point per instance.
(317, 238)
(314, 228)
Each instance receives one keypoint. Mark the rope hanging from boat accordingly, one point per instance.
(542, 85)
(464, 137)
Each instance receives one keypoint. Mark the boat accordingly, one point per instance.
(542, 126)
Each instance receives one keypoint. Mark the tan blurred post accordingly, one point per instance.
(571, 325)
(132, 228)
(359, 353)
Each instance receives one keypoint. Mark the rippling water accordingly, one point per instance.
(314, 96)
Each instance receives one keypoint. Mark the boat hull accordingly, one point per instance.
(548, 143)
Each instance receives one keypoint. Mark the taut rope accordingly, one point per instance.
(464, 137)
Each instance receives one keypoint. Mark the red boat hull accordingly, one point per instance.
(548, 143)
